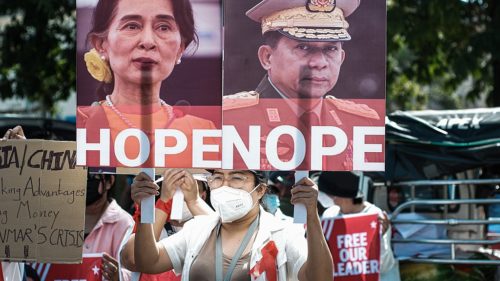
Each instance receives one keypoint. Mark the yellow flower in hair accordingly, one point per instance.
(97, 67)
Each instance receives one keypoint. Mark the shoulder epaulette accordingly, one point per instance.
(240, 100)
(351, 107)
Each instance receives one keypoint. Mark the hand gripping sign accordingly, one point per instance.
(354, 242)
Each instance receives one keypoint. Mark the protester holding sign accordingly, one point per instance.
(194, 205)
(345, 190)
(271, 249)
(106, 223)
(15, 133)
(136, 47)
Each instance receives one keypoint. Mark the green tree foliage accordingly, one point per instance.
(434, 46)
(37, 50)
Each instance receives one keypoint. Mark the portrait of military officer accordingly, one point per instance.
(302, 53)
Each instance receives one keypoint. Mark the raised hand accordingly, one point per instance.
(15, 133)
(143, 187)
(306, 192)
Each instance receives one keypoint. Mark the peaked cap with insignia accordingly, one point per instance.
(305, 20)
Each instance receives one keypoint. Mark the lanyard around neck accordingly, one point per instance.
(219, 268)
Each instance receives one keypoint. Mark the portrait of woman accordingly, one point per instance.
(134, 47)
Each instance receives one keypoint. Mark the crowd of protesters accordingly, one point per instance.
(232, 225)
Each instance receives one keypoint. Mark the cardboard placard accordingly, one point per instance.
(354, 241)
(42, 201)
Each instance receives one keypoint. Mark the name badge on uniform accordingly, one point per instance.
(273, 115)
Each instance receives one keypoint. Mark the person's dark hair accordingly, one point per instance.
(105, 10)
(31, 273)
(357, 201)
(272, 189)
(104, 14)
(256, 180)
(260, 177)
(206, 189)
(272, 38)
(183, 14)
(104, 179)
(108, 178)
(203, 185)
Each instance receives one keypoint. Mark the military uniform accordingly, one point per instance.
(265, 107)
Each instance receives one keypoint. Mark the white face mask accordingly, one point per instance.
(231, 203)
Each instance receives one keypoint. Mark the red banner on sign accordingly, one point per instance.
(179, 141)
(1, 272)
(344, 135)
(88, 270)
(354, 242)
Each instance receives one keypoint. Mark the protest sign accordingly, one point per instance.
(263, 129)
(42, 201)
(149, 107)
(354, 241)
(312, 96)
(88, 270)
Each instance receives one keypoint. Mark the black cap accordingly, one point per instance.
(341, 184)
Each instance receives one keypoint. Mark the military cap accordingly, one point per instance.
(305, 20)
(341, 184)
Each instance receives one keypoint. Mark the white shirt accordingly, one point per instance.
(183, 247)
